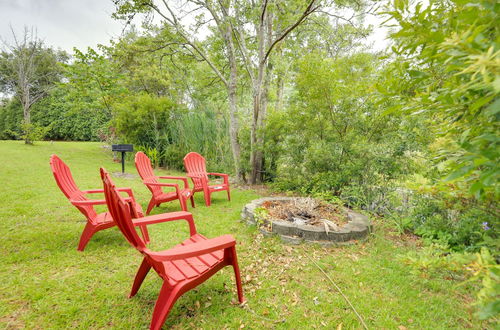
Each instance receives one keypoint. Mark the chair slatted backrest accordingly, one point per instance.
(66, 183)
(195, 165)
(121, 212)
(143, 165)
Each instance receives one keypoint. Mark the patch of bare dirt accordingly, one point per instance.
(125, 175)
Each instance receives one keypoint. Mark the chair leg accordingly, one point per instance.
(164, 303)
(152, 204)
(182, 201)
(139, 277)
(88, 232)
(192, 200)
(234, 260)
(206, 195)
(228, 194)
(145, 234)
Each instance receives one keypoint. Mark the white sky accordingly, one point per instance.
(61, 23)
(84, 23)
(377, 39)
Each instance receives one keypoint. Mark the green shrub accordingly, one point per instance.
(460, 224)
(334, 137)
(170, 131)
(436, 260)
(11, 118)
(32, 133)
(486, 270)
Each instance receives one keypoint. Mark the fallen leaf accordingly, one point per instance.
(315, 300)
(402, 327)
(339, 327)
(197, 304)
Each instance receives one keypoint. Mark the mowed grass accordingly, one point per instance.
(45, 283)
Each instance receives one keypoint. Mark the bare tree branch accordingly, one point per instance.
(309, 10)
(240, 41)
(175, 23)
(264, 8)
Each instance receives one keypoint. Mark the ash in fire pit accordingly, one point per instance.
(297, 219)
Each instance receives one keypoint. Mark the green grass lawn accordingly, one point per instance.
(45, 283)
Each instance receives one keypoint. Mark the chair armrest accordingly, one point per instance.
(163, 184)
(223, 175)
(101, 191)
(165, 217)
(88, 202)
(128, 191)
(186, 185)
(195, 249)
(93, 191)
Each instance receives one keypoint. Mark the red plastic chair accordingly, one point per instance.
(143, 165)
(182, 267)
(77, 197)
(197, 171)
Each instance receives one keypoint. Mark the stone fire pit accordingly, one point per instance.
(357, 226)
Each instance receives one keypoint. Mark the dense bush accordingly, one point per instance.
(452, 74)
(55, 117)
(11, 118)
(460, 224)
(167, 131)
(334, 138)
(449, 75)
(67, 118)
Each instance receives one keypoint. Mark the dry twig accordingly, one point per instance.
(340, 291)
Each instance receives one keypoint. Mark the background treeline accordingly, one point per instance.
(410, 133)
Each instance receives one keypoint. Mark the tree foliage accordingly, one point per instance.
(450, 54)
(28, 70)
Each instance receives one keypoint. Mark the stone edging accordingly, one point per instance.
(356, 228)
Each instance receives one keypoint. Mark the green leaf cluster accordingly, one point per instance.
(449, 71)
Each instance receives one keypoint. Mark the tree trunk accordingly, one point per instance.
(234, 127)
(261, 88)
(233, 104)
(261, 124)
(254, 158)
(26, 114)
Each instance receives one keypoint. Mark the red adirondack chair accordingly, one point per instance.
(143, 165)
(197, 171)
(77, 197)
(182, 267)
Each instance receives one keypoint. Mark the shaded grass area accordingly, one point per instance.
(46, 283)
